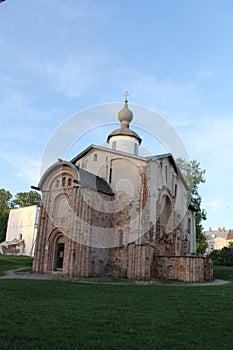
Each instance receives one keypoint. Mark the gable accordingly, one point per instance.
(63, 173)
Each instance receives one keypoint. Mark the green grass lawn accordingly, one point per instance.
(11, 262)
(67, 315)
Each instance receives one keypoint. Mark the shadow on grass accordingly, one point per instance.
(223, 272)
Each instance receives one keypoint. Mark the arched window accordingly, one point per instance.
(189, 225)
(95, 157)
(114, 145)
(57, 184)
(69, 182)
(63, 181)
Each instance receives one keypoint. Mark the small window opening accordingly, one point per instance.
(110, 175)
(175, 190)
(95, 157)
(69, 182)
(120, 237)
(63, 181)
(189, 225)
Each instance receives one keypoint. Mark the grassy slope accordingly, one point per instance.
(14, 262)
(65, 315)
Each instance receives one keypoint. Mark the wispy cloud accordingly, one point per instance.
(30, 169)
(24, 167)
(74, 75)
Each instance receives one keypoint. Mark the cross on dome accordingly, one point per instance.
(125, 115)
(124, 139)
(126, 96)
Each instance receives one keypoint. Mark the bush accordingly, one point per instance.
(223, 257)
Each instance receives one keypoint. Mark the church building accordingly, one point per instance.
(111, 212)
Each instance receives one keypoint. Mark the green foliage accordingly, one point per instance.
(5, 201)
(3, 225)
(223, 257)
(5, 205)
(25, 199)
(201, 243)
(194, 176)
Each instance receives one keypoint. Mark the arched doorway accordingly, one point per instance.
(59, 253)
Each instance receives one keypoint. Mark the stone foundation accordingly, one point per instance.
(184, 268)
(135, 262)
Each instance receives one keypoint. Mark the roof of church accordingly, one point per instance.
(91, 181)
(124, 132)
(84, 177)
(105, 149)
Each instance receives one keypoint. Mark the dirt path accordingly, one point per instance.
(22, 274)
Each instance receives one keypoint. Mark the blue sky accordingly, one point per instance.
(173, 56)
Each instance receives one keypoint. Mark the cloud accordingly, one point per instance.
(167, 96)
(77, 72)
(28, 168)
(24, 167)
(73, 76)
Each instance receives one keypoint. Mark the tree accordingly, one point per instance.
(25, 199)
(223, 257)
(194, 176)
(5, 205)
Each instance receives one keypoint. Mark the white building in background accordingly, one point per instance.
(218, 239)
(21, 231)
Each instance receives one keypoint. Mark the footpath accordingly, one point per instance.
(22, 274)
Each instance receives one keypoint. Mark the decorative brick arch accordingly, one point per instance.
(165, 226)
(56, 250)
(61, 206)
(166, 219)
